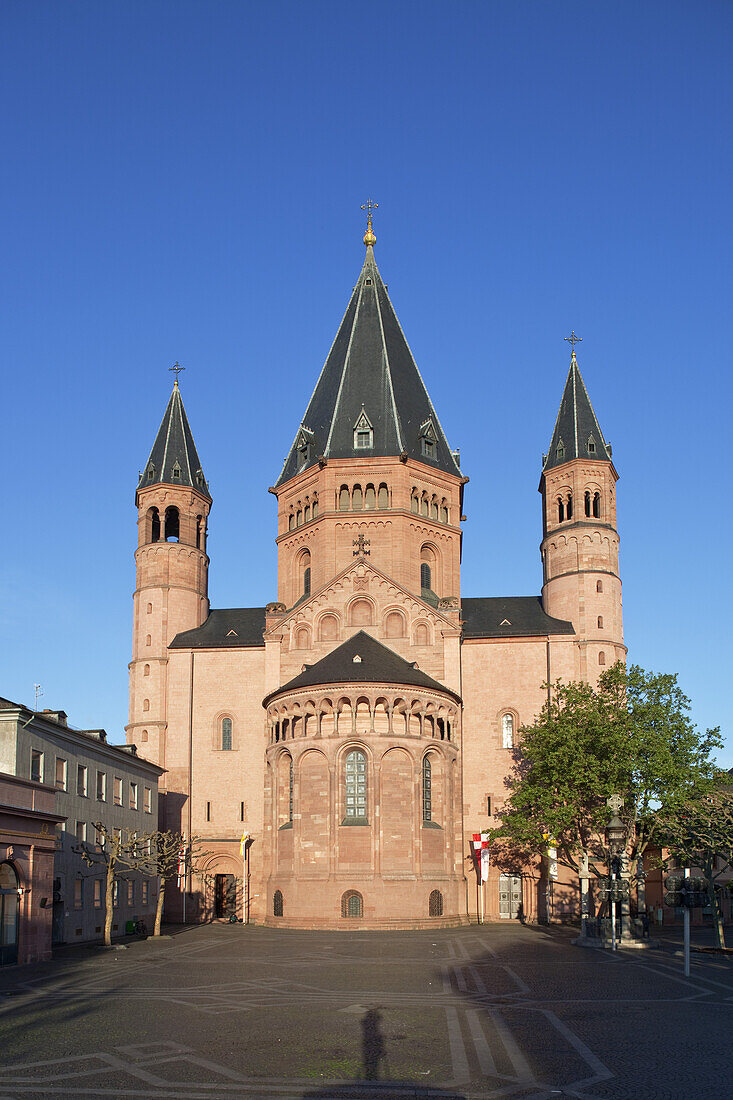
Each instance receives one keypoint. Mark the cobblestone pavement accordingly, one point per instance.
(467, 1014)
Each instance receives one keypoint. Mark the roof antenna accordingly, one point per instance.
(39, 691)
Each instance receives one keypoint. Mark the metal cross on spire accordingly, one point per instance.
(573, 340)
(177, 368)
(369, 237)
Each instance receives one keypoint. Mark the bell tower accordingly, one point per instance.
(171, 590)
(580, 542)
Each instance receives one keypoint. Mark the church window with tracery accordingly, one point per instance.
(427, 795)
(226, 733)
(356, 788)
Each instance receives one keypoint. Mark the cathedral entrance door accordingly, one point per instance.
(510, 896)
(225, 895)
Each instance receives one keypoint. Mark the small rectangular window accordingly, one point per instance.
(78, 893)
(428, 448)
(117, 788)
(133, 796)
(81, 831)
(147, 801)
(363, 439)
(97, 893)
(81, 780)
(241, 811)
(61, 773)
(131, 893)
(144, 885)
(208, 811)
(101, 786)
(36, 766)
(488, 805)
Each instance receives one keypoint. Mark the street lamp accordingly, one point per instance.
(615, 841)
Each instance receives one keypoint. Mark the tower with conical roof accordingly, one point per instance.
(171, 590)
(370, 462)
(580, 543)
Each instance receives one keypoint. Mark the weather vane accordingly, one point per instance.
(573, 340)
(369, 237)
(177, 368)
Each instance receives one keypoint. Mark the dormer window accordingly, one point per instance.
(560, 451)
(363, 432)
(591, 445)
(303, 445)
(176, 472)
(151, 472)
(428, 439)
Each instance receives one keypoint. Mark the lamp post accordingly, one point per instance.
(615, 839)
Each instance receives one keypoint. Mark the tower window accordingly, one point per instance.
(226, 733)
(597, 505)
(507, 731)
(362, 439)
(151, 472)
(277, 904)
(599, 586)
(591, 446)
(356, 788)
(600, 622)
(352, 904)
(171, 524)
(176, 472)
(307, 581)
(601, 658)
(587, 503)
(428, 448)
(383, 497)
(560, 510)
(570, 506)
(426, 580)
(154, 520)
(344, 499)
(560, 450)
(363, 432)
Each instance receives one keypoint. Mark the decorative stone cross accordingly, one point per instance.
(361, 543)
(614, 803)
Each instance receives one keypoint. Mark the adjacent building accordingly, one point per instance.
(88, 781)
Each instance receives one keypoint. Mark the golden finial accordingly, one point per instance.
(369, 238)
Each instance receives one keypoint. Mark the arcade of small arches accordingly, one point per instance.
(303, 511)
(360, 612)
(430, 506)
(390, 714)
(354, 498)
(591, 503)
(168, 527)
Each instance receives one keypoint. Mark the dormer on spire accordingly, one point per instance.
(174, 459)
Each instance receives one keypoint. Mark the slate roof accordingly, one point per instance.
(378, 665)
(508, 617)
(248, 624)
(174, 450)
(369, 367)
(576, 425)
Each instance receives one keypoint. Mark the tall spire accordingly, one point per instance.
(370, 400)
(174, 459)
(577, 433)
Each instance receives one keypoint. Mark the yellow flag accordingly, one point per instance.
(243, 841)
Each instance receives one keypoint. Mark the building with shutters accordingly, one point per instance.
(359, 726)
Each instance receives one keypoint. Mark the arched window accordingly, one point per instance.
(507, 731)
(307, 581)
(394, 625)
(427, 794)
(344, 501)
(352, 904)
(560, 510)
(435, 904)
(146, 704)
(597, 505)
(424, 506)
(328, 628)
(370, 498)
(599, 586)
(304, 571)
(587, 503)
(383, 497)
(355, 788)
(601, 658)
(600, 622)
(443, 514)
(414, 502)
(277, 904)
(154, 521)
(9, 917)
(570, 506)
(226, 733)
(171, 524)
(299, 517)
(434, 510)
(426, 580)
(357, 499)
(146, 670)
(307, 513)
(422, 636)
(315, 507)
(144, 735)
(291, 521)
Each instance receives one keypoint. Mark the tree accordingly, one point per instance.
(116, 850)
(169, 851)
(698, 832)
(630, 735)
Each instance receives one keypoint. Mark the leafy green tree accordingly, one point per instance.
(698, 832)
(630, 735)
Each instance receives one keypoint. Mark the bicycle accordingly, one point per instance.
(141, 928)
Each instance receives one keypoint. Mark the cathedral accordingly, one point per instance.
(337, 749)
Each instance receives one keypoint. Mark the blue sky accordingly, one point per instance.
(183, 181)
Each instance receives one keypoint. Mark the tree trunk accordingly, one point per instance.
(714, 904)
(584, 892)
(159, 908)
(108, 902)
(640, 888)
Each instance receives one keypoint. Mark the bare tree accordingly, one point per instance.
(116, 850)
(169, 855)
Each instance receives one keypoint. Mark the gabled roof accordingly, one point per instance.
(174, 458)
(371, 368)
(226, 628)
(509, 617)
(577, 429)
(377, 664)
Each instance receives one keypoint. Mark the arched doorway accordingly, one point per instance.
(8, 915)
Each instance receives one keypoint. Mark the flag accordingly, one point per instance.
(242, 843)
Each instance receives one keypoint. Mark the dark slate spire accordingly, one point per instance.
(577, 432)
(370, 384)
(174, 458)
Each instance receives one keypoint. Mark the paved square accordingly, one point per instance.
(497, 1011)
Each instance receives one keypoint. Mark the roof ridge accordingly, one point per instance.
(360, 285)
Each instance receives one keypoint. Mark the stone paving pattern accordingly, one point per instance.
(497, 1011)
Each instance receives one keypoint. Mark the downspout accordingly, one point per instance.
(186, 880)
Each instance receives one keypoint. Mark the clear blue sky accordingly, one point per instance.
(183, 180)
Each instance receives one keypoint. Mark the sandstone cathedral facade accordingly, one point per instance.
(359, 727)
